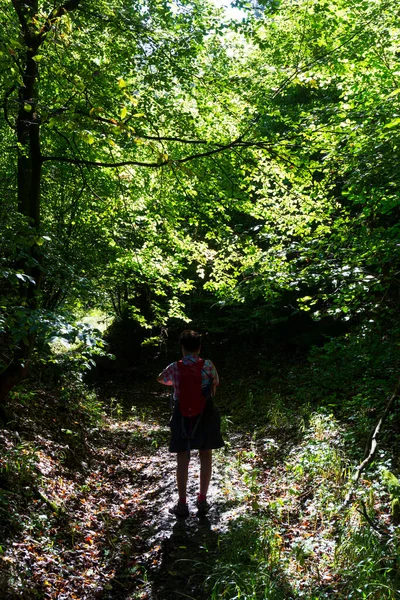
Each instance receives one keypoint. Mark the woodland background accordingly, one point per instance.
(164, 165)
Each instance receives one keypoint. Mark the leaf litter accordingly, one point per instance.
(100, 527)
(103, 528)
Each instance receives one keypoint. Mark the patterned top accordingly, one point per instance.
(170, 374)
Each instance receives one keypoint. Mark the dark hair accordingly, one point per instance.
(190, 340)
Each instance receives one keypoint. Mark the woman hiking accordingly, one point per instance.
(195, 422)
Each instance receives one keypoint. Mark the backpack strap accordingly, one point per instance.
(189, 436)
(210, 378)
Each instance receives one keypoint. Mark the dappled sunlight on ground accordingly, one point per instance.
(103, 529)
(96, 524)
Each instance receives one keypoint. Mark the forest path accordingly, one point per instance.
(88, 517)
(164, 558)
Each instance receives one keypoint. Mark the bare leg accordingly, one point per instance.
(182, 472)
(205, 470)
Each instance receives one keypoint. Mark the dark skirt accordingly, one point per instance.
(207, 430)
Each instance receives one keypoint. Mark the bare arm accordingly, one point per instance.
(161, 379)
(215, 380)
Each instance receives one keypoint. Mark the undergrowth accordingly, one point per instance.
(307, 427)
(302, 427)
(297, 540)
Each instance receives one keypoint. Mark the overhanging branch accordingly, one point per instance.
(94, 163)
(153, 138)
(156, 164)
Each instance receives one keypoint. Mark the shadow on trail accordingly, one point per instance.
(163, 558)
(174, 567)
(186, 560)
(169, 557)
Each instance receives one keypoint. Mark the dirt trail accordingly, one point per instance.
(173, 557)
(92, 520)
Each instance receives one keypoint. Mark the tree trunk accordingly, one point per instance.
(28, 181)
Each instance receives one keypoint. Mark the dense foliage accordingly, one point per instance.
(163, 163)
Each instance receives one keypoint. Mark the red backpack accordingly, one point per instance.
(191, 399)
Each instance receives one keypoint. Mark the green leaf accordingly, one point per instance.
(392, 124)
(394, 93)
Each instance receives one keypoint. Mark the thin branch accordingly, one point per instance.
(94, 163)
(157, 164)
(373, 441)
(155, 138)
(372, 444)
(160, 138)
(209, 153)
(375, 527)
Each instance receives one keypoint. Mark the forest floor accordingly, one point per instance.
(102, 527)
(92, 521)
